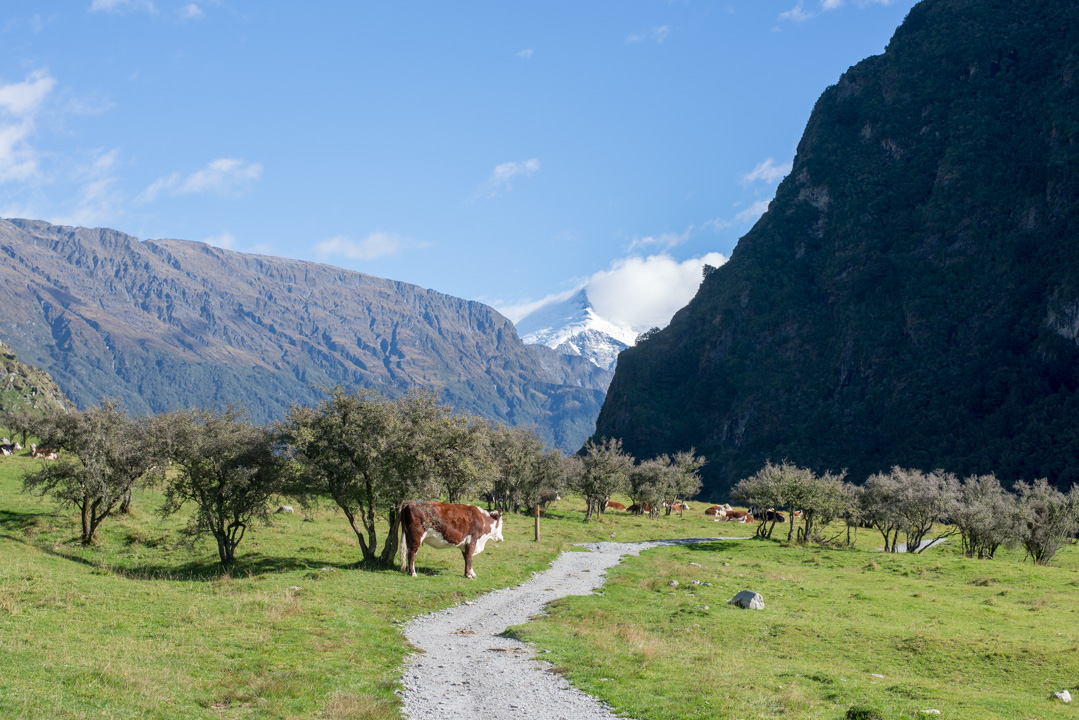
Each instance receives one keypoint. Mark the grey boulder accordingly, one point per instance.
(748, 600)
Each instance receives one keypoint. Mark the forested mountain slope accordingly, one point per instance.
(912, 294)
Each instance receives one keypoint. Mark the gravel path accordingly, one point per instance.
(467, 670)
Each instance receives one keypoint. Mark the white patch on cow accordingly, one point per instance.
(434, 539)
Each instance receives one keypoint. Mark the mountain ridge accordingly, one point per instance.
(160, 324)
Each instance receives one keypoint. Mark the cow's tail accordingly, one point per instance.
(403, 539)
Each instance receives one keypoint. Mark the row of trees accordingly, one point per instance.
(358, 450)
(910, 503)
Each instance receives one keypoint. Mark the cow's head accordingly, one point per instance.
(496, 526)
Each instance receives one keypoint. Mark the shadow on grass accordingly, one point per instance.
(18, 522)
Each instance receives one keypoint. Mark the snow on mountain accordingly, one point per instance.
(572, 327)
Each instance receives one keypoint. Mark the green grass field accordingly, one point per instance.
(142, 626)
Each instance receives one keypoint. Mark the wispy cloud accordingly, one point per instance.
(224, 240)
(798, 13)
(836, 4)
(744, 217)
(122, 6)
(525, 54)
(503, 176)
(191, 11)
(20, 104)
(768, 172)
(376, 245)
(658, 34)
(664, 241)
(224, 176)
(97, 200)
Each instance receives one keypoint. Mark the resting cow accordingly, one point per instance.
(443, 525)
(612, 505)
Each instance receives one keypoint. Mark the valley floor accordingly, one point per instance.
(146, 626)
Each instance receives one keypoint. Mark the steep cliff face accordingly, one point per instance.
(168, 323)
(912, 295)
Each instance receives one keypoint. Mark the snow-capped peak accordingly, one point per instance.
(572, 327)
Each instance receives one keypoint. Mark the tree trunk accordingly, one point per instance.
(125, 503)
(537, 524)
(85, 507)
(389, 552)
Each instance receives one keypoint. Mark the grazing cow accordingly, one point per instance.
(612, 505)
(44, 453)
(637, 508)
(679, 507)
(443, 525)
(797, 513)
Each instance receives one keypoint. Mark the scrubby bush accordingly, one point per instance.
(910, 501)
(985, 515)
(604, 471)
(1047, 517)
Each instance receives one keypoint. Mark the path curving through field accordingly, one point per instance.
(467, 670)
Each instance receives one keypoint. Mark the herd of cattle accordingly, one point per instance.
(10, 448)
(720, 512)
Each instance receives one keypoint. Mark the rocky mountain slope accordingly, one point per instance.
(572, 327)
(169, 323)
(912, 294)
(24, 388)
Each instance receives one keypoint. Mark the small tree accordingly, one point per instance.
(229, 469)
(604, 471)
(826, 499)
(105, 454)
(908, 500)
(769, 488)
(1047, 517)
(685, 474)
(650, 483)
(985, 515)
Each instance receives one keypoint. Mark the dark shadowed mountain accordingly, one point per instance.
(164, 324)
(911, 296)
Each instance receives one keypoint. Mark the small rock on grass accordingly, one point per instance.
(748, 600)
(1062, 696)
(672, 583)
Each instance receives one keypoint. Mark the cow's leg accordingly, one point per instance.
(412, 546)
(469, 550)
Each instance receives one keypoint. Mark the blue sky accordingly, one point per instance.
(498, 151)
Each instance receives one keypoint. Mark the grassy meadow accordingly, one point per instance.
(144, 626)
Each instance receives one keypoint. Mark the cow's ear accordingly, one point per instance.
(496, 514)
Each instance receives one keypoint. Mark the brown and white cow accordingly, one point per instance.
(638, 509)
(612, 505)
(715, 510)
(444, 525)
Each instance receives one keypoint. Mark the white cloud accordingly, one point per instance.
(224, 240)
(121, 6)
(526, 54)
(191, 12)
(376, 245)
(831, 4)
(641, 293)
(20, 103)
(768, 172)
(224, 176)
(796, 14)
(635, 292)
(502, 177)
(659, 34)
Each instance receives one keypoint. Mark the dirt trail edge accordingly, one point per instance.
(467, 670)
